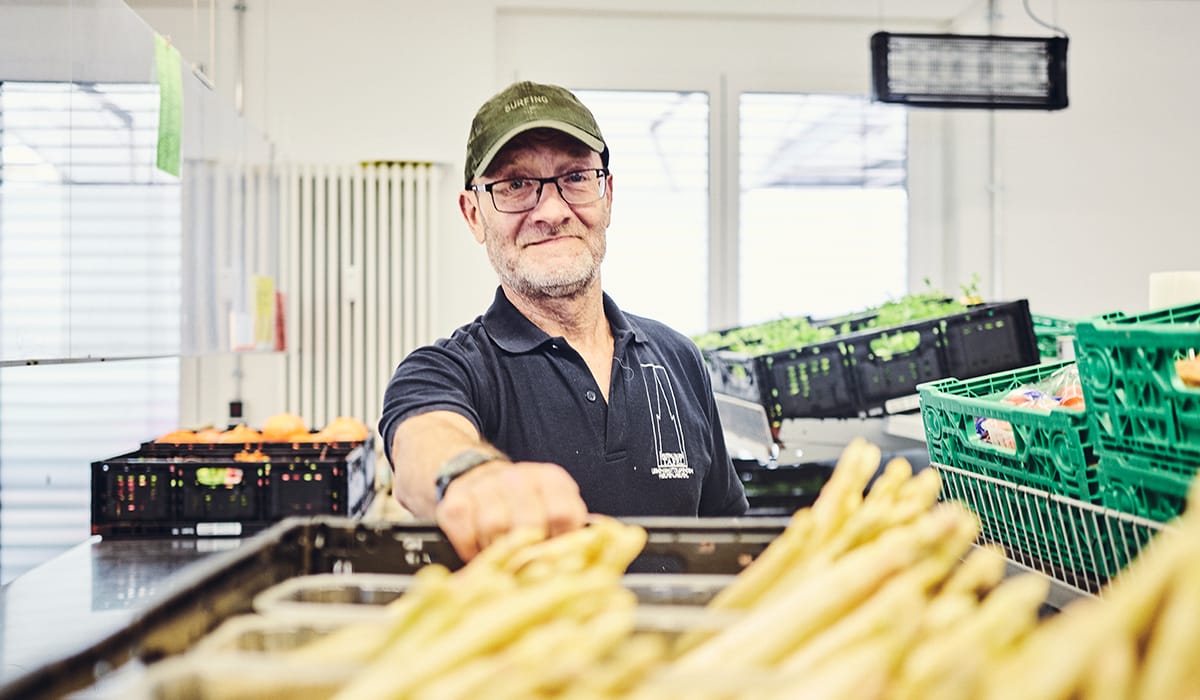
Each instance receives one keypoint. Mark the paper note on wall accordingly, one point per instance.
(170, 105)
(264, 313)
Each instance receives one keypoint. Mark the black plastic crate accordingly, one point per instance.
(220, 490)
(126, 489)
(322, 480)
(206, 490)
(881, 375)
(990, 338)
(856, 374)
(734, 374)
(813, 381)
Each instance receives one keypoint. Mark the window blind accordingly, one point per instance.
(89, 281)
(823, 204)
(657, 260)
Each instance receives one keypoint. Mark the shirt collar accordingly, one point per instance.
(514, 333)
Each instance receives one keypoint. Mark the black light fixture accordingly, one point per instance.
(980, 71)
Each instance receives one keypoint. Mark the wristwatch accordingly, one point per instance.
(462, 463)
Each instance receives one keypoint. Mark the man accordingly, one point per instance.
(554, 403)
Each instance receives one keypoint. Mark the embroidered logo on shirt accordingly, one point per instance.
(667, 428)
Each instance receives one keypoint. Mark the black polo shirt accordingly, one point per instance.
(656, 447)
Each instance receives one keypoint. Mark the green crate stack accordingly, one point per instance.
(1053, 451)
(1147, 420)
(1048, 330)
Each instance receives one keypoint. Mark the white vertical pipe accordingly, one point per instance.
(268, 251)
(421, 258)
(996, 190)
(221, 256)
(320, 299)
(433, 206)
(397, 300)
(372, 380)
(389, 252)
(996, 181)
(253, 261)
(358, 397)
(304, 319)
(237, 232)
(289, 241)
(333, 299)
(724, 291)
(408, 297)
(348, 297)
(207, 300)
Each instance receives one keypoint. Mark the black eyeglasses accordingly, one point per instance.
(519, 194)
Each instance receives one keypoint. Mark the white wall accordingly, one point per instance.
(1094, 198)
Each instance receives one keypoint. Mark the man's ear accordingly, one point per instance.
(468, 204)
(608, 195)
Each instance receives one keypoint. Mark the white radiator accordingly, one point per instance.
(356, 251)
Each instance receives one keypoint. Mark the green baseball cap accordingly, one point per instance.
(523, 106)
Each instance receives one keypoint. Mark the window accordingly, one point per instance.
(89, 270)
(823, 205)
(657, 262)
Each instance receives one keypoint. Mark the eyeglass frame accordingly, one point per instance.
(602, 177)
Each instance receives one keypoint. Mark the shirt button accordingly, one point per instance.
(589, 395)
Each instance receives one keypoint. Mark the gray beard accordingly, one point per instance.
(558, 284)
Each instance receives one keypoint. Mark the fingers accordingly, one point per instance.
(495, 498)
(563, 508)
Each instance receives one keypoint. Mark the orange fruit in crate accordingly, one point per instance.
(178, 437)
(345, 429)
(282, 426)
(208, 435)
(240, 433)
(248, 456)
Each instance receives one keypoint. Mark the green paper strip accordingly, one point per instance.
(170, 105)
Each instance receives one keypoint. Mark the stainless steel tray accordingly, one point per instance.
(225, 585)
(356, 593)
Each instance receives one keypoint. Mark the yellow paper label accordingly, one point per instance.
(264, 312)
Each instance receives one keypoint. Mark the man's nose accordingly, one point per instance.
(550, 202)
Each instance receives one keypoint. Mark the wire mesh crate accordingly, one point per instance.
(1080, 545)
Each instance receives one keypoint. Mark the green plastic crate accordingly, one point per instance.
(1152, 487)
(1048, 330)
(1137, 401)
(1054, 449)
(1053, 453)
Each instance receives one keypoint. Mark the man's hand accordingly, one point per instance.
(498, 496)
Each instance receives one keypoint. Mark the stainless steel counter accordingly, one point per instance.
(86, 593)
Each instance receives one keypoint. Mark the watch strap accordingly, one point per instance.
(463, 462)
